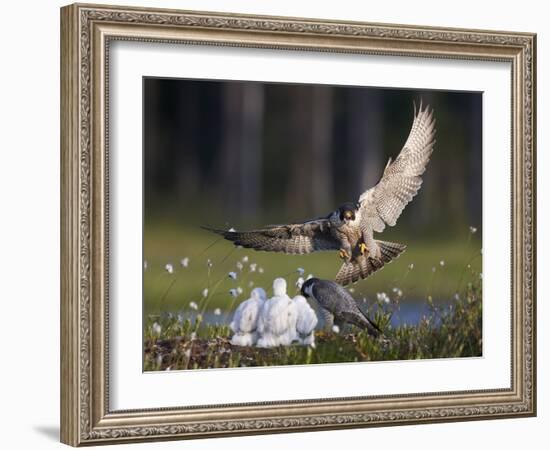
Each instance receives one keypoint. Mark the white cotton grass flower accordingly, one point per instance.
(433, 269)
(156, 328)
(232, 275)
(473, 230)
(300, 271)
(233, 292)
(411, 266)
(205, 292)
(398, 292)
(456, 296)
(260, 270)
(193, 305)
(240, 265)
(382, 297)
(169, 268)
(209, 263)
(299, 282)
(145, 265)
(217, 312)
(184, 262)
(239, 290)
(442, 263)
(252, 267)
(336, 329)
(351, 290)
(244, 259)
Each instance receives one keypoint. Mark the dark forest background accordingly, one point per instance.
(247, 153)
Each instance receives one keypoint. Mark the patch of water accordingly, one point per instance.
(410, 313)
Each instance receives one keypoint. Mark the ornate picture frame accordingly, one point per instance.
(87, 32)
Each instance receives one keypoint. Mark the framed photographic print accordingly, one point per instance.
(267, 221)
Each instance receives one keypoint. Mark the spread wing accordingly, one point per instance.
(382, 205)
(297, 238)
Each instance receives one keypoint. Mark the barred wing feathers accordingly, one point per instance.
(298, 239)
(383, 204)
(362, 266)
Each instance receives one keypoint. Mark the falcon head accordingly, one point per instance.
(307, 286)
(347, 212)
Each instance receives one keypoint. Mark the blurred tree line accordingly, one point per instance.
(243, 154)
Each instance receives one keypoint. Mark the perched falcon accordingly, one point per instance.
(337, 305)
(350, 228)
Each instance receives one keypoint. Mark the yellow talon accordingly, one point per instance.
(344, 254)
(363, 248)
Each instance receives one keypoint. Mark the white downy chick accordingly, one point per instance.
(245, 319)
(306, 322)
(277, 323)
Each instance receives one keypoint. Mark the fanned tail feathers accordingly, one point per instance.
(363, 266)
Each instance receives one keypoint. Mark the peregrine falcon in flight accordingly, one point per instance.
(337, 305)
(349, 229)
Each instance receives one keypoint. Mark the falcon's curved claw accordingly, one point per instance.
(344, 255)
(363, 248)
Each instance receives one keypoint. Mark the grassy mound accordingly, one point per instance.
(172, 342)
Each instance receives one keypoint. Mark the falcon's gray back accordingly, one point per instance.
(334, 297)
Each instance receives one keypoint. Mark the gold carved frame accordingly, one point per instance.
(86, 31)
